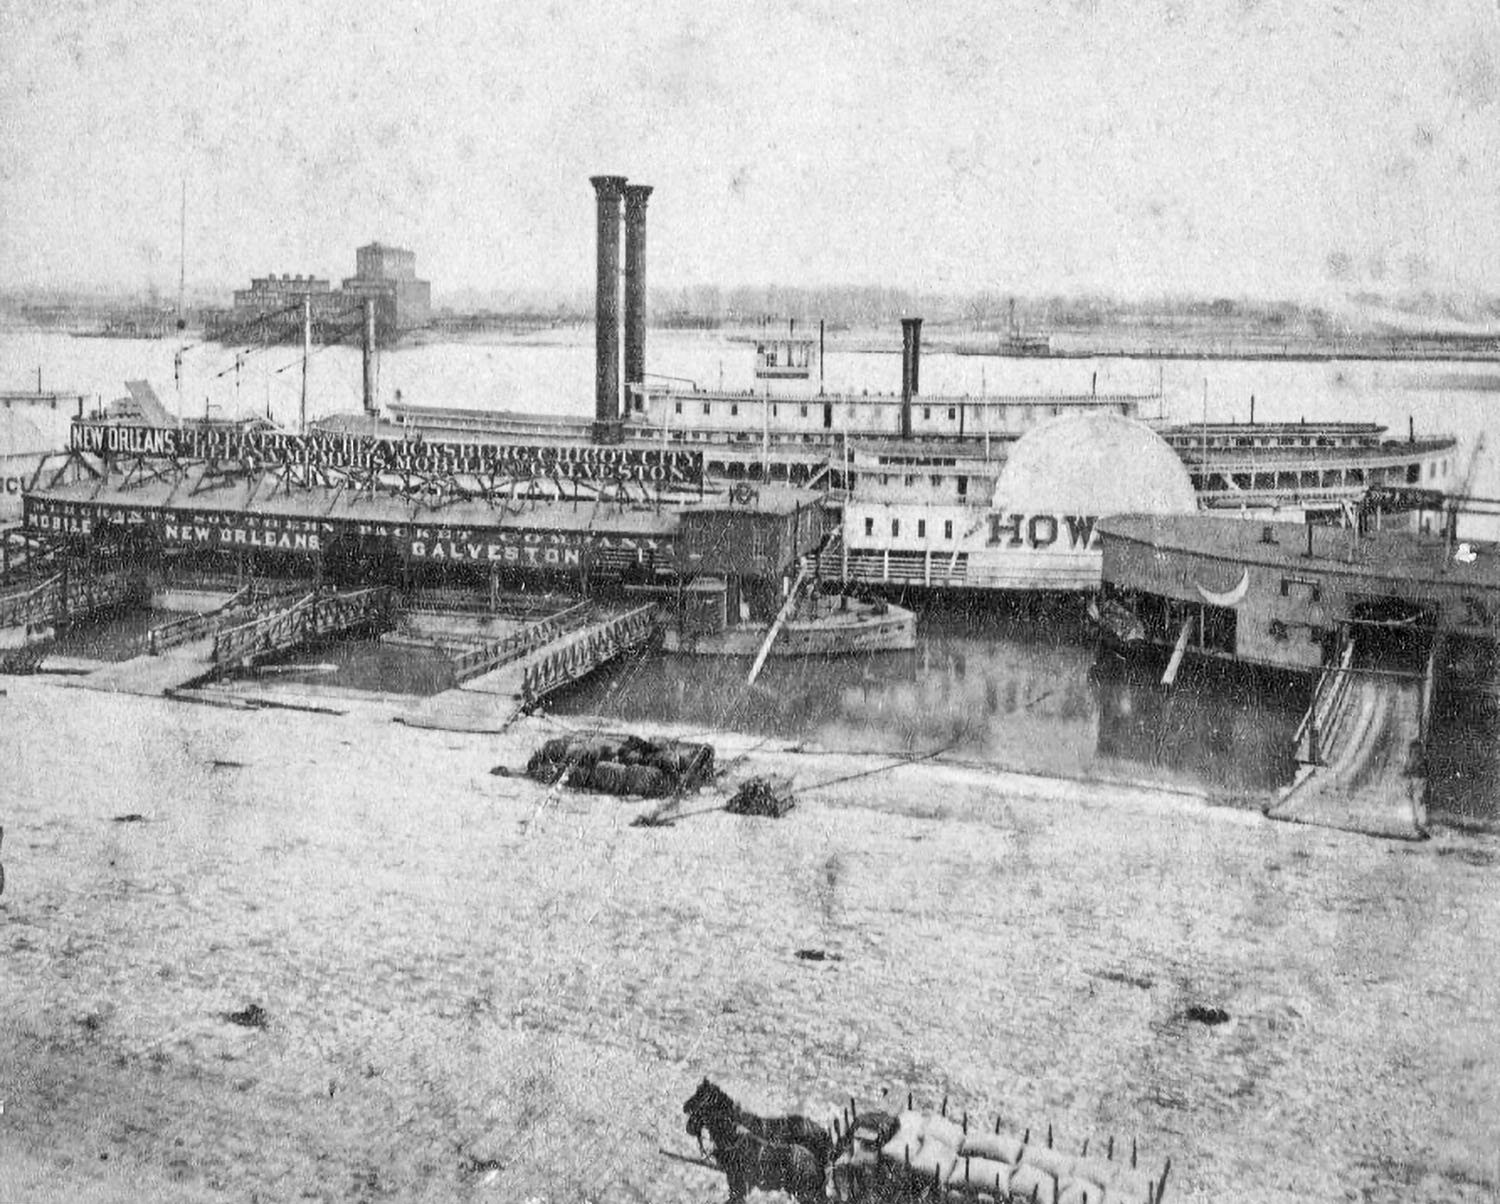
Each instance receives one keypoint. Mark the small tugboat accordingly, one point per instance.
(817, 625)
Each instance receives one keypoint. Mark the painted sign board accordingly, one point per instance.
(276, 449)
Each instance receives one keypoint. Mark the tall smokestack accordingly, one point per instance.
(636, 196)
(911, 350)
(607, 191)
(369, 356)
(916, 356)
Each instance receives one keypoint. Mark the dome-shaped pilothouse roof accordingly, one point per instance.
(1094, 464)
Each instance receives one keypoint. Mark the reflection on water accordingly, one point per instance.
(361, 664)
(1012, 685)
(1463, 761)
(1216, 726)
(115, 636)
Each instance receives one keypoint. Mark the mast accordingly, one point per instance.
(306, 351)
(182, 257)
(181, 293)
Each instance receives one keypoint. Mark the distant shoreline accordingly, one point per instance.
(947, 340)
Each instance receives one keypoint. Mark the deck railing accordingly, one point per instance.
(518, 643)
(247, 603)
(35, 605)
(68, 595)
(309, 618)
(1316, 726)
(583, 656)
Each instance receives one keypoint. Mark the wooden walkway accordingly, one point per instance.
(67, 596)
(1363, 757)
(202, 647)
(570, 652)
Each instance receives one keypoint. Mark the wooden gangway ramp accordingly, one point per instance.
(519, 671)
(247, 630)
(1361, 754)
(67, 596)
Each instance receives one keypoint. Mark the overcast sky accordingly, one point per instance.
(1271, 147)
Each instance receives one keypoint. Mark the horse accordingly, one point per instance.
(749, 1161)
(779, 1130)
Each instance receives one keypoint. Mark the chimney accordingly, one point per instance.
(636, 196)
(916, 356)
(911, 351)
(607, 190)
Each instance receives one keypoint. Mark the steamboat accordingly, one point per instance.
(944, 491)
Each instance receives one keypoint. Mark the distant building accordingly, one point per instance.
(272, 308)
(389, 274)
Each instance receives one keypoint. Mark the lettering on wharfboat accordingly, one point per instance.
(1043, 530)
(541, 549)
(239, 537)
(490, 552)
(277, 449)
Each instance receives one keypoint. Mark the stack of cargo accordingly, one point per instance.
(931, 1157)
(770, 797)
(624, 765)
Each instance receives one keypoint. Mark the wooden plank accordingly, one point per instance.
(1178, 652)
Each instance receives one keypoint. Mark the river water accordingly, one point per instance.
(1007, 682)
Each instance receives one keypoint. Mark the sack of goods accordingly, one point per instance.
(622, 764)
(938, 1155)
(770, 797)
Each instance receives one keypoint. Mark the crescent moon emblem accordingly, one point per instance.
(1232, 597)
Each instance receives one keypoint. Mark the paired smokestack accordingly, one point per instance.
(607, 191)
(636, 196)
(911, 360)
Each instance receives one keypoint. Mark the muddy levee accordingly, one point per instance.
(337, 958)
